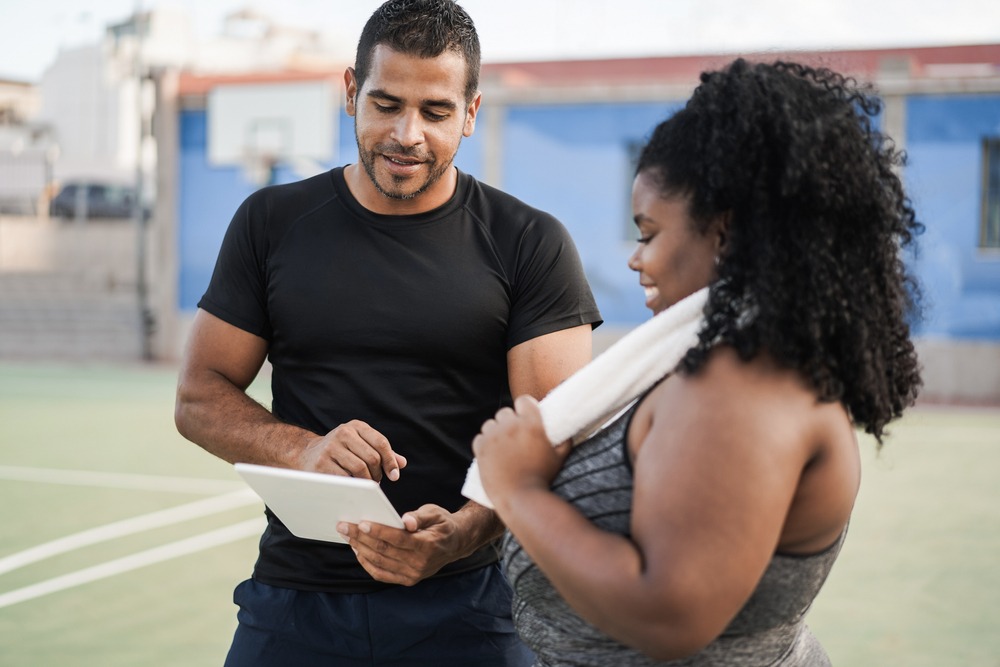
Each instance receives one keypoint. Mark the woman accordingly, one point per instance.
(698, 526)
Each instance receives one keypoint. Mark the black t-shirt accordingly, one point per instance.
(403, 322)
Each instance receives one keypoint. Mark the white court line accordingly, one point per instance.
(159, 554)
(125, 527)
(119, 480)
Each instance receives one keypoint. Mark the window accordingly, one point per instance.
(989, 228)
(632, 151)
(98, 193)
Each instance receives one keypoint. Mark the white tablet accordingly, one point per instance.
(311, 503)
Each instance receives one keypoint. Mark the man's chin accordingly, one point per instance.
(398, 193)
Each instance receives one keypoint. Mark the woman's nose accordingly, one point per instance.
(633, 260)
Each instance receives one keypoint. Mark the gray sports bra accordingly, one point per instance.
(597, 479)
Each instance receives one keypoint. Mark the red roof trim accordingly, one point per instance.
(864, 63)
(667, 69)
(190, 84)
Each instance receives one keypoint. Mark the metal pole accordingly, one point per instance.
(138, 210)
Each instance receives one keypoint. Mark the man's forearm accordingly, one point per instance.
(480, 526)
(226, 422)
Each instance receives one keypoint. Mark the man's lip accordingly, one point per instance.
(401, 161)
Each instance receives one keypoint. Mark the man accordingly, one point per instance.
(400, 302)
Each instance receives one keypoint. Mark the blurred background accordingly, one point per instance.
(130, 131)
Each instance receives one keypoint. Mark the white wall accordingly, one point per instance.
(82, 101)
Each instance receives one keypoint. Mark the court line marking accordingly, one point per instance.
(135, 561)
(158, 519)
(119, 480)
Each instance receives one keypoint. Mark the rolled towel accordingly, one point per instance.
(599, 390)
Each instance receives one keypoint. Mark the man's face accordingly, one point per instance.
(409, 119)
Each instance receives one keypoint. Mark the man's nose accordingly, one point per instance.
(408, 130)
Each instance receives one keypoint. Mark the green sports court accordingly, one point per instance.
(121, 541)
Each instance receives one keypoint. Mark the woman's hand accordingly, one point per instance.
(514, 453)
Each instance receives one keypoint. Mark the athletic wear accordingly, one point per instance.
(597, 479)
(401, 322)
(466, 615)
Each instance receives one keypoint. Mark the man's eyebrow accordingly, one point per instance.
(441, 104)
(382, 95)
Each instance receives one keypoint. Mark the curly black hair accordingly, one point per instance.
(812, 268)
(424, 28)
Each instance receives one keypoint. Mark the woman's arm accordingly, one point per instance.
(717, 466)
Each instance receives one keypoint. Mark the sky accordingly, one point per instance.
(32, 32)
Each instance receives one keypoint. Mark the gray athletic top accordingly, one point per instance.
(597, 479)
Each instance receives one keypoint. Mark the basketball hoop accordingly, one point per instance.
(257, 128)
(258, 167)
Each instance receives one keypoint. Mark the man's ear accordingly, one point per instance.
(351, 86)
(470, 115)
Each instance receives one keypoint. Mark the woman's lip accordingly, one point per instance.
(651, 294)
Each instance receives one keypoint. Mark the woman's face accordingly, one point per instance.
(672, 258)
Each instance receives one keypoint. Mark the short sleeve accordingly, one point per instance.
(237, 292)
(549, 289)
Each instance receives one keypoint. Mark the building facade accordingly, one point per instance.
(563, 137)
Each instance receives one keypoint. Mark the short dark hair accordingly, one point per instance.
(813, 269)
(424, 28)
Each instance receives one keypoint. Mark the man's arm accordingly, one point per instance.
(436, 537)
(536, 366)
(213, 410)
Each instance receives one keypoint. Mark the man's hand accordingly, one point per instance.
(354, 449)
(432, 538)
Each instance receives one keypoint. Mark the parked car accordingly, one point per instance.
(91, 199)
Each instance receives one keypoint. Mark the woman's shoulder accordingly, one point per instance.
(756, 396)
(773, 405)
(758, 380)
(773, 423)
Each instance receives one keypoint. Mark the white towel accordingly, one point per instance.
(599, 390)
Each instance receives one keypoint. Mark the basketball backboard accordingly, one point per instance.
(258, 125)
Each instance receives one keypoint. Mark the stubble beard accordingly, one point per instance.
(368, 162)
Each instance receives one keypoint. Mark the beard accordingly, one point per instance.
(393, 186)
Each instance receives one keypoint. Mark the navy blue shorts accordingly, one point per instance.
(461, 620)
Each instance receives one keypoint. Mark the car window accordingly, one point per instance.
(119, 195)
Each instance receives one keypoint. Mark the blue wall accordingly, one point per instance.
(207, 199)
(574, 161)
(960, 282)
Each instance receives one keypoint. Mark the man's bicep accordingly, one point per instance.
(216, 346)
(536, 366)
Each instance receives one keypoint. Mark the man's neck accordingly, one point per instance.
(369, 197)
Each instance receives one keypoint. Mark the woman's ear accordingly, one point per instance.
(722, 231)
